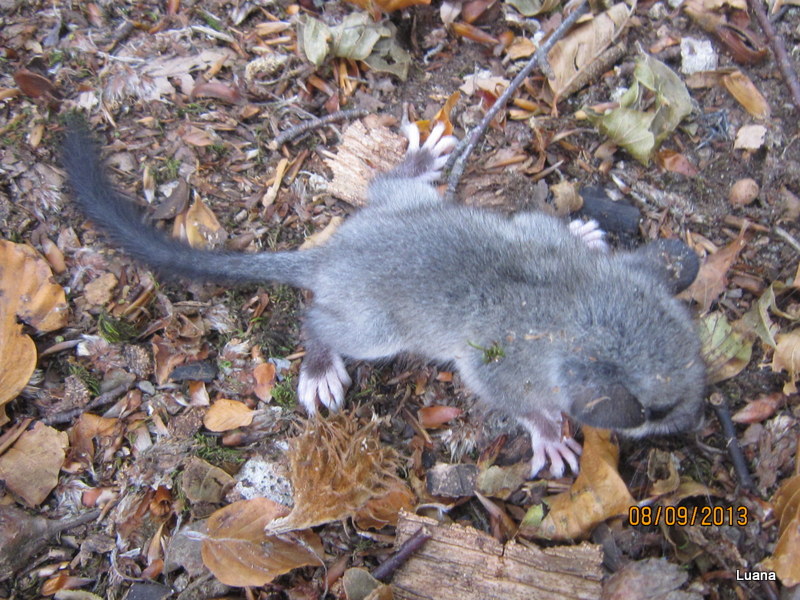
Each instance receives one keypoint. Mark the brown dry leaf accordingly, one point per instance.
(264, 374)
(27, 294)
(198, 226)
(385, 510)
(386, 5)
(197, 137)
(217, 90)
(318, 238)
(225, 415)
(598, 493)
(432, 417)
(90, 432)
(746, 93)
(238, 551)
(34, 85)
(712, 279)
(99, 291)
(575, 53)
(785, 559)
(31, 466)
(787, 358)
(760, 409)
(336, 467)
(566, 198)
(676, 163)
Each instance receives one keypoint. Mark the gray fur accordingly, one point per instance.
(588, 333)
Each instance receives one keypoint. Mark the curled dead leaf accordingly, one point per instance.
(27, 295)
(785, 559)
(787, 358)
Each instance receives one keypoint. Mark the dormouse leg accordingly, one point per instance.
(409, 184)
(550, 447)
(590, 233)
(323, 379)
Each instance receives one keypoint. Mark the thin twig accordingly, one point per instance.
(788, 237)
(720, 406)
(306, 126)
(458, 159)
(398, 559)
(779, 49)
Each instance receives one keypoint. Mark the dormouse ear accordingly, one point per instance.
(609, 406)
(673, 260)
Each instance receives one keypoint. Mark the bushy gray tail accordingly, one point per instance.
(123, 222)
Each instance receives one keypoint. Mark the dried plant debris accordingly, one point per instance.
(636, 125)
(28, 295)
(337, 466)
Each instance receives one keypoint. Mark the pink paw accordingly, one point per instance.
(560, 454)
(590, 233)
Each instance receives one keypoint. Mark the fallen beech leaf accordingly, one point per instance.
(676, 163)
(597, 494)
(431, 417)
(197, 137)
(725, 351)
(787, 358)
(238, 551)
(98, 292)
(264, 374)
(92, 432)
(575, 53)
(746, 93)
(34, 85)
(27, 294)
(760, 409)
(225, 415)
(198, 226)
(712, 279)
(785, 559)
(31, 466)
(219, 91)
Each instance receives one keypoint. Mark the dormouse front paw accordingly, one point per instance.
(558, 452)
(590, 234)
(425, 163)
(323, 379)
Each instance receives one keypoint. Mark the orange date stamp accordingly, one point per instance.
(705, 516)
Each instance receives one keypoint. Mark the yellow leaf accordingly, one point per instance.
(225, 415)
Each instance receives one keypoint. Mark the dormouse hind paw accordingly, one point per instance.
(425, 163)
(323, 380)
(590, 234)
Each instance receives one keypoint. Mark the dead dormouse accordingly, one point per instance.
(538, 318)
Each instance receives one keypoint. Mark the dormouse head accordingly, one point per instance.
(635, 365)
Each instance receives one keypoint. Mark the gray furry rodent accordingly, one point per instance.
(539, 320)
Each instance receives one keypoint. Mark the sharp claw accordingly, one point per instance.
(411, 132)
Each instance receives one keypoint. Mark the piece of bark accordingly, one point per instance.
(462, 563)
